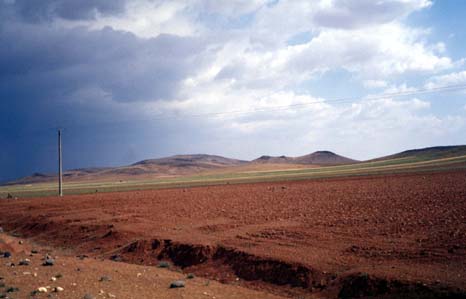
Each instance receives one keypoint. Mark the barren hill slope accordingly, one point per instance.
(323, 158)
(169, 166)
(436, 152)
(316, 158)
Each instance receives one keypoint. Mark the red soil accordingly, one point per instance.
(406, 233)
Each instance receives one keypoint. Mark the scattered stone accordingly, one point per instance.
(34, 251)
(190, 276)
(116, 258)
(88, 296)
(25, 262)
(53, 279)
(58, 289)
(49, 262)
(20, 242)
(177, 284)
(105, 278)
(42, 290)
(7, 254)
(164, 264)
(33, 293)
(12, 289)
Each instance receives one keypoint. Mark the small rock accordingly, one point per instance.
(42, 290)
(53, 279)
(88, 296)
(20, 242)
(25, 262)
(164, 264)
(177, 284)
(116, 258)
(190, 276)
(12, 289)
(34, 251)
(105, 278)
(49, 262)
(7, 254)
(58, 289)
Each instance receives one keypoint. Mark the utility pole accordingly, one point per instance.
(60, 179)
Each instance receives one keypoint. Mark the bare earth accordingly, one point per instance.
(384, 236)
(79, 277)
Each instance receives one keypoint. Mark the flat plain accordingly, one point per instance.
(385, 235)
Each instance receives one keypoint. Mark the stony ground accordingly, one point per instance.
(307, 234)
(73, 277)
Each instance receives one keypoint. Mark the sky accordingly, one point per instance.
(129, 80)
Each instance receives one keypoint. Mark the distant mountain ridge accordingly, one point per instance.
(180, 165)
(320, 158)
(436, 152)
(163, 167)
(189, 160)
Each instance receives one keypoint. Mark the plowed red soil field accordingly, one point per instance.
(385, 236)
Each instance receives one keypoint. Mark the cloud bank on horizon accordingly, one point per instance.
(135, 79)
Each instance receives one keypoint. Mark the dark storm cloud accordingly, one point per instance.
(52, 76)
(49, 62)
(44, 10)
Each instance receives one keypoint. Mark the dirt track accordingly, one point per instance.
(314, 235)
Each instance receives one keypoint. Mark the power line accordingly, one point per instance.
(446, 88)
(340, 100)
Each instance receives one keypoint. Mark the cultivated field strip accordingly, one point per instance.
(233, 176)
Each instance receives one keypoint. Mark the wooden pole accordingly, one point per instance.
(60, 169)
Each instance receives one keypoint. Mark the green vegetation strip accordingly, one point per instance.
(400, 165)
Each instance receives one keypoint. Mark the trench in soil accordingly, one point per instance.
(223, 263)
